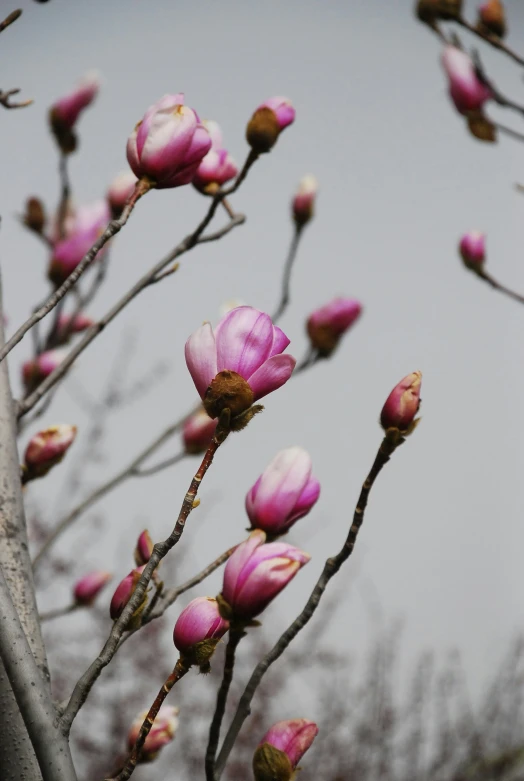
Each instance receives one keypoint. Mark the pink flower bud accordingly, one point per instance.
(466, 90)
(304, 200)
(217, 167)
(144, 548)
(72, 324)
(123, 592)
(284, 493)
(472, 249)
(162, 732)
(492, 18)
(168, 144)
(402, 404)
(198, 432)
(326, 325)
(37, 369)
(239, 362)
(267, 123)
(68, 108)
(293, 738)
(48, 448)
(120, 189)
(198, 622)
(87, 226)
(88, 587)
(257, 572)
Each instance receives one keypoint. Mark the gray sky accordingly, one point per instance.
(400, 181)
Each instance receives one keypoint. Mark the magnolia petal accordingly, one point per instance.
(275, 372)
(200, 352)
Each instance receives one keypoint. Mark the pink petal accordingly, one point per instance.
(308, 498)
(280, 342)
(168, 140)
(201, 359)
(282, 484)
(233, 573)
(275, 372)
(244, 338)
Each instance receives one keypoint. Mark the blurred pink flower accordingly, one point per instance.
(217, 167)
(467, 91)
(162, 732)
(326, 325)
(89, 586)
(199, 621)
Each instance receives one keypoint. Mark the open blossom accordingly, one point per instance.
(162, 732)
(168, 144)
(89, 586)
(217, 167)
(326, 325)
(257, 572)
(123, 592)
(198, 431)
(87, 225)
(466, 90)
(268, 121)
(48, 448)
(285, 492)
(199, 622)
(239, 362)
(144, 548)
(282, 748)
(120, 189)
(304, 201)
(472, 249)
(37, 369)
(402, 404)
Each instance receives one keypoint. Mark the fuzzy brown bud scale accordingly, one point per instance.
(430, 11)
(271, 764)
(481, 128)
(228, 390)
(323, 338)
(64, 135)
(262, 130)
(492, 19)
(34, 217)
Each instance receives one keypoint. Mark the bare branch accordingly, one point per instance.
(59, 612)
(10, 18)
(5, 99)
(493, 40)
(286, 280)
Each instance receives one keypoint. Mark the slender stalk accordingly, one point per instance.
(286, 279)
(179, 671)
(10, 18)
(153, 470)
(498, 286)
(493, 40)
(390, 442)
(64, 195)
(60, 611)
(160, 550)
(235, 636)
(114, 227)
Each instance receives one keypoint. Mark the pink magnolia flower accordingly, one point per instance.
(304, 200)
(120, 189)
(326, 325)
(199, 621)
(239, 362)
(472, 248)
(168, 144)
(283, 110)
(123, 592)
(257, 572)
(466, 90)
(144, 548)
(37, 369)
(89, 586)
(402, 404)
(285, 492)
(72, 324)
(83, 230)
(217, 167)
(293, 737)
(162, 732)
(48, 448)
(198, 432)
(66, 110)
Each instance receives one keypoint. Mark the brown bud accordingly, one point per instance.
(492, 19)
(262, 130)
(271, 764)
(64, 135)
(34, 217)
(323, 338)
(228, 390)
(430, 11)
(480, 127)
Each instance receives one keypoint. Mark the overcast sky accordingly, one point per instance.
(400, 181)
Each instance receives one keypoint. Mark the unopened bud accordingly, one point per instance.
(481, 127)
(472, 249)
(89, 586)
(304, 201)
(144, 548)
(326, 326)
(290, 739)
(34, 217)
(46, 449)
(267, 122)
(162, 732)
(198, 432)
(121, 188)
(492, 18)
(198, 630)
(430, 11)
(123, 593)
(402, 404)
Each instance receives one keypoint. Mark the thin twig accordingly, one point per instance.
(235, 636)
(160, 550)
(5, 99)
(498, 286)
(493, 40)
(179, 671)
(152, 470)
(114, 227)
(124, 474)
(331, 567)
(10, 18)
(286, 279)
(65, 194)
(60, 611)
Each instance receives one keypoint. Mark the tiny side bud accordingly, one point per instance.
(34, 217)
(472, 250)
(492, 19)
